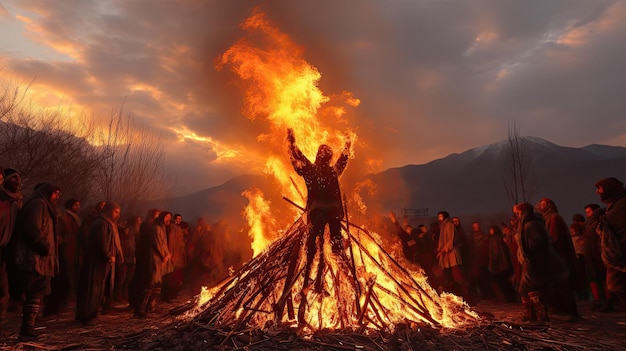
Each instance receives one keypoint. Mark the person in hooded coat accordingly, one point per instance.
(542, 268)
(594, 267)
(36, 252)
(500, 266)
(97, 276)
(143, 261)
(64, 284)
(11, 201)
(564, 296)
(613, 194)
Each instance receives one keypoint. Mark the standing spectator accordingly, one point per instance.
(90, 214)
(478, 263)
(126, 270)
(541, 265)
(153, 248)
(10, 203)
(509, 231)
(36, 252)
(97, 276)
(201, 228)
(500, 266)
(594, 267)
(201, 265)
(576, 231)
(461, 241)
(613, 194)
(64, 283)
(425, 255)
(449, 257)
(407, 237)
(172, 282)
(564, 297)
(143, 262)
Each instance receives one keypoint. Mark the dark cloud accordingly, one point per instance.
(433, 77)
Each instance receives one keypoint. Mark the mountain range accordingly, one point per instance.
(469, 185)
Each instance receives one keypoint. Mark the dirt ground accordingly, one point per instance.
(594, 331)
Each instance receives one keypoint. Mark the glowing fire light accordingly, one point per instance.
(283, 90)
(368, 291)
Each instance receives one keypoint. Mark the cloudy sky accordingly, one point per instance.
(433, 77)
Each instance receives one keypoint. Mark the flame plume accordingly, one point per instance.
(282, 92)
(364, 287)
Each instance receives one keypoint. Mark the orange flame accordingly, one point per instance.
(283, 92)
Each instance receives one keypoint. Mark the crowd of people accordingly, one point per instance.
(51, 257)
(536, 258)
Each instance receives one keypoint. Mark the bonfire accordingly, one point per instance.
(360, 289)
(365, 289)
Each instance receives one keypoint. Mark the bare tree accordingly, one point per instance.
(11, 93)
(121, 161)
(519, 180)
(131, 170)
(40, 145)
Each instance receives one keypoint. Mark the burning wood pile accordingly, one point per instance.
(361, 289)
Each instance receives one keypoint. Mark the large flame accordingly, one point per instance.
(283, 92)
(367, 289)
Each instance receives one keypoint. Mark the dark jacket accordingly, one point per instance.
(560, 236)
(10, 204)
(499, 255)
(96, 272)
(36, 244)
(322, 180)
(541, 265)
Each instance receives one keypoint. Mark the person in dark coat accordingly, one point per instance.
(479, 278)
(408, 237)
(324, 205)
(64, 284)
(425, 255)
(500, 266)
(11, 201)
(143, 259)
(563, 298)
(542, 267)
(97, 276)
(613, 194)
(155, 257)
(36, 252)
(576, 231)
(125, 271)
(508, 232)
(595, 268)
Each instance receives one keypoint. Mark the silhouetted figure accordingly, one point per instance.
(542, 267)
(408, 237)
(97, 276)
(323, 204)
(36, 252)
(612, 229)
(11, 201)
